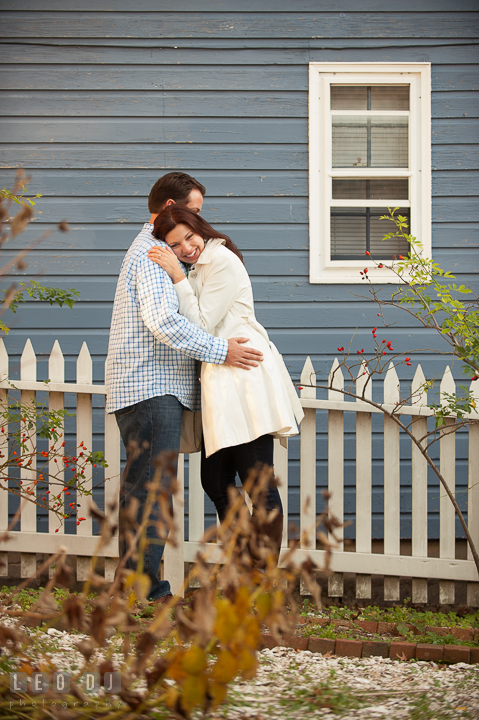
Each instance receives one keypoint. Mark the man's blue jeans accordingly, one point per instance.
(148, 429)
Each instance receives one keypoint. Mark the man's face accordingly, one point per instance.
(195, 201)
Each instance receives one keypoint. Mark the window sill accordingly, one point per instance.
(351, 275)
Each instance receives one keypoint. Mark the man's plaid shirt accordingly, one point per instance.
(153, 349)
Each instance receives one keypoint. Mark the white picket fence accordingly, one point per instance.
(362, 562)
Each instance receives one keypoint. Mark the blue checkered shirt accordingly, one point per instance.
(153, 349)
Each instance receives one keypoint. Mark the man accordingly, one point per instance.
(150, 376)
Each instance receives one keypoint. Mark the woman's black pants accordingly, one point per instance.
(218, 471)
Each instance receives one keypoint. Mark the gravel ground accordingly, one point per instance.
(295, 685)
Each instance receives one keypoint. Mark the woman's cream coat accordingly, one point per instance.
(237, 405)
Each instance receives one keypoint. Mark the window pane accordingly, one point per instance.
(355, 230)
(371, 141)
(389, 97)
(384, 188)
(349, 97)
(373, 97)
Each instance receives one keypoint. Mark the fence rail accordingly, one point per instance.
(362, 562)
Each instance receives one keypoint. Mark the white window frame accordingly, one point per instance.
(321, 75)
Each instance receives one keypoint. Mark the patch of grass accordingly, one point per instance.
(321, 695)
(399, 614)
(26, 597)
(336, 633)
(423, 707)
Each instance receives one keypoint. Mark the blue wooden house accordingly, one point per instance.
(303, 119)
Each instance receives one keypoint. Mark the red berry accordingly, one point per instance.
(367, 252)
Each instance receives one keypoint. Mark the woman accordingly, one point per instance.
(241, 411)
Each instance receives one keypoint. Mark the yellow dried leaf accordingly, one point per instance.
(194, 661)
(171, 697)
(247, 663)
(263, 605)
(217, 692)
(140, 584)
(242, 601)
(225, 668)
(252, 632)
(176, 670)
(226, 621)
(194, 692)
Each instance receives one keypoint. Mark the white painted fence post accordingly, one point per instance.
(196, 504)
(112, 481)
(392, 510)
(28, 519)
(363, 480)
(85, 435)
(307, 471)
(196, 515)
(56, 374)
(336, 468)
(419, 485)
(174, 557)
(280, 460)
(447, 460)
(473, 494)
(4, 451)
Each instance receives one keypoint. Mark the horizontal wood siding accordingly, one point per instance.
(98, 99)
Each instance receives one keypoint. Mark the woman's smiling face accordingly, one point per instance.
(185, 244)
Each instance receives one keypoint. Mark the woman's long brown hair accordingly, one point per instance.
(174, 215)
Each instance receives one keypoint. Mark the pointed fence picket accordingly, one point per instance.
(473, 498)
(364, 520)
(392, 512)
(28, 518)
(447, 462)
(419, 486)
(358, 559)
(336, 469)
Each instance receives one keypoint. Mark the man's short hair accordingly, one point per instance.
(176, 186)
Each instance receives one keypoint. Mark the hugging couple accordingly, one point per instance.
(184, 296)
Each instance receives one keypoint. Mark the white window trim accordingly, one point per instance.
(321, 268)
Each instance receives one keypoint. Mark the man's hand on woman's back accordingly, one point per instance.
(241, 356)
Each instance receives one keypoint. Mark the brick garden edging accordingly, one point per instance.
(375, 648)
(467, 634)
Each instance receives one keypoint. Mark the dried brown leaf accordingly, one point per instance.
(63, 575)
(74, 612)
(157, 672)
(86, 648)
(97, 625)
